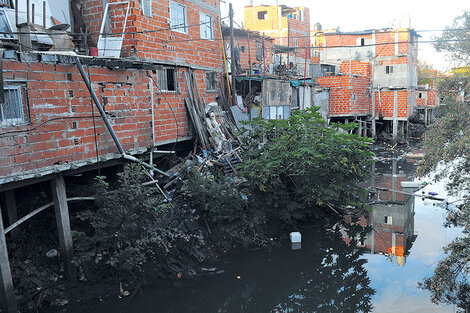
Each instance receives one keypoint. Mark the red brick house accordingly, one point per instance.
(388, 58)
(49, 126)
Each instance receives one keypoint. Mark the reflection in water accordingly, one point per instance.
(392, 216)
(326, 275)
(339, 283)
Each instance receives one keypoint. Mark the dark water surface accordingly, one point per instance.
(325, 275)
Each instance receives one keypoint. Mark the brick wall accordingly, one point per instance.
(384, 103)
(255, 42)
(356, 67)
(385, 41)
(60, 124)
(150, 37)
(330, 40)
(341, 94)
(428, 98)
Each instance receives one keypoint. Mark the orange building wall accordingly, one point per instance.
(341, 102)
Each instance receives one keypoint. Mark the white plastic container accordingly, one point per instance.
(295, 237)
(410, 184)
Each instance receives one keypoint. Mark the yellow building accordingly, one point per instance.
(280, 22)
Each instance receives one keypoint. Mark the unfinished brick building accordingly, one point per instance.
(289, 27)
(253, 51)
(388, 57)
(49, 126)
(427, 100)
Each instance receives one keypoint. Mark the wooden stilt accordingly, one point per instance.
(7, 292)
(10, 204)
(63, 223)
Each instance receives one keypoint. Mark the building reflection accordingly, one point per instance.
(392, 216)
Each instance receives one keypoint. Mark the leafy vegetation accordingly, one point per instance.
(301, 168)
(131, 226)
(448, 141)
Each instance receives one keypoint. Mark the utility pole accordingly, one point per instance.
(232, 54)
(249, 59)
(288, 46)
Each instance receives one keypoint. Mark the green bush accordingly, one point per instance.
(300, 168)
(130, 227)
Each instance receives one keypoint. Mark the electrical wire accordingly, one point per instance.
(291, 48)
(116, 33)
(171, 109)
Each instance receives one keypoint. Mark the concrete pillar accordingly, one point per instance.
(359, 127)
(9, 202)
(364, 129)
(374, 129)
(395, 116)
(401, 129)
(7, 291)
(63, 223)
(425, 116)
(394, 179)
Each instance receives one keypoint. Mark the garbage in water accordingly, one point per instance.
(211, 269)
(410, 184)
(52, 253)
(432, 193)
(179, 275)
(122, 292)
(295, 237)
(239, 277)
(220, 272)
(296, 246)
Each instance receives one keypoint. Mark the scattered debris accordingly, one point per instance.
(414, 155)
(52, 253)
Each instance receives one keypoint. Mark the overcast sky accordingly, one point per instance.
(372, 14)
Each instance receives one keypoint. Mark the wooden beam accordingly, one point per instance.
(63, 223)
(10, 205)
(39, 210)
(7, 291)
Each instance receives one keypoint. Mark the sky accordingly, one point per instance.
(372, 14)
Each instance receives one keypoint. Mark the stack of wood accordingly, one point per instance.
(214, 126)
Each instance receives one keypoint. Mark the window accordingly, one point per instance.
(363, 42)
(389, 69)
(5, 27)
(296, 42)
(388, 220)
(166, 79)
(12, 110)
(6, 4)
(206, 27)
(420, 95)
(262, 15)
(353, 97)
(146, 7)
(211, 81)
(178, 17)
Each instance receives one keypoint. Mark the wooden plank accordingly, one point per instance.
(39, 210)
(10, 204)
(63, 223)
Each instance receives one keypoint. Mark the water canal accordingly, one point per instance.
(326, 274)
